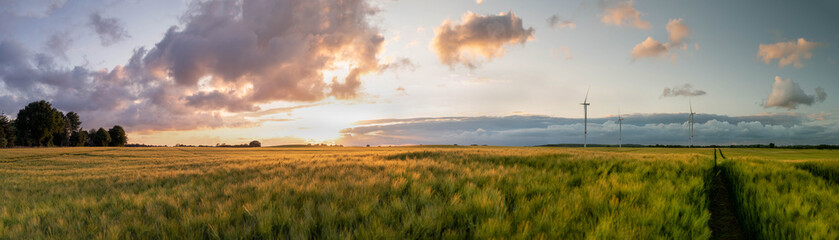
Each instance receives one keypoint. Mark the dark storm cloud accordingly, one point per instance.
(227, 56)
(637, 129)
(110, 30)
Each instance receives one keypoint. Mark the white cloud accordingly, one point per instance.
(787, 94)
(685, 90)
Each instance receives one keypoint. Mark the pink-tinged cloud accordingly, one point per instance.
(623, 13)
(791, 52)
(649, 48)
(787, 94)
(478, 36)
(227, 56)
(677, 34)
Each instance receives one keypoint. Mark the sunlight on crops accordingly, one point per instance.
(479, 192)
(406, 192)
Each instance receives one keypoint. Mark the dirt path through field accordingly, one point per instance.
(724, 222)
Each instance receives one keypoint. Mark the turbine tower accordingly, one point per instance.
(620, 128)
(690, 123)
(585, 118)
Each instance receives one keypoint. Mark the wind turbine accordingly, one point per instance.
(585, 118)
(620, 128)
(690, 123)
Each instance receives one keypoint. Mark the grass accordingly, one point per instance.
(329, 193)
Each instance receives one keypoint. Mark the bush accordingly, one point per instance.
(255, 144)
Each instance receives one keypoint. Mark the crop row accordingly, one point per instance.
(777, 200)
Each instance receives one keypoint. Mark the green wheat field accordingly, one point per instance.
(423, 192)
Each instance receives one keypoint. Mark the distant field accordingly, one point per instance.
(410, 192)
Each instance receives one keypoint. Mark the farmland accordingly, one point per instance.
(410, 192)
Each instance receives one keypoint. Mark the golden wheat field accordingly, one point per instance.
(403, 193)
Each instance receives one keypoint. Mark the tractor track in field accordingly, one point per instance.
(724, 221)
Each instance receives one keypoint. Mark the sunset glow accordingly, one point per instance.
(413, 72)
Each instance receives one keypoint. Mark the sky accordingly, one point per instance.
(383, 72)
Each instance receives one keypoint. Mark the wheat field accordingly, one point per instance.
(429, 192)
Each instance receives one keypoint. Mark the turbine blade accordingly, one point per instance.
(691, 106)
(586, 100)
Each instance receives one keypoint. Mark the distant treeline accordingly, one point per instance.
(770, 145)
(40, 125)
(243, 145)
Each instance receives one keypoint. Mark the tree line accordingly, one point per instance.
(41, 125)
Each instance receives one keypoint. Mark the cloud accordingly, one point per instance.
(622, 13)
(649, 48)
(226, 56)
(110, 30)
(478, 35)
(784, 129)
(787, 94)
(562, 52)
(556, 22)
(677, 33)
(59, 44)
(33, 8)
(685, 90)
(792, 52)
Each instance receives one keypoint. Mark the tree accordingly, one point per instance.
(73, 122)
(117, 135)
(37, 123)
(101, 138)
(7, 131)
(771, 145)
(62, 136)
(78, 138)
(255, 143)
(90, 135)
